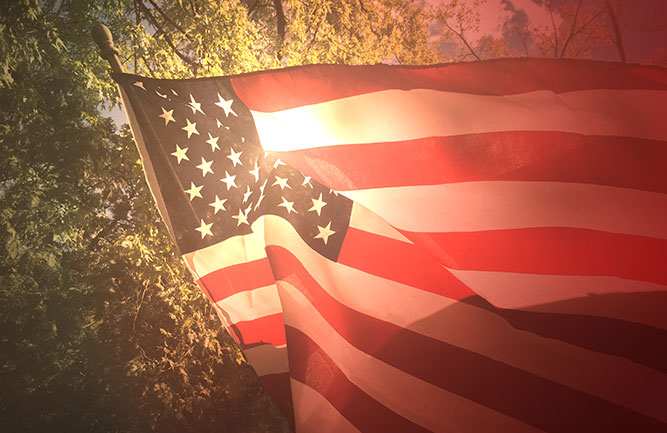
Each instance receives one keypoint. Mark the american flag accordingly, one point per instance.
(468, 247)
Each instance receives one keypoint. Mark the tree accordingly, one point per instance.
(580, 29)
(574, 29)
(455, 22)
(102, 327)
(617, 37)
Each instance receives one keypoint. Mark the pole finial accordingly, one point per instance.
(102, 37)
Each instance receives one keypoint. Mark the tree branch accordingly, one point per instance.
(572, 29)
(523, 36)
(193, 65)
(136, 314)
(169, 20)
(463, 39)
(317, 29)
(618, 39)
(280, 21)
(553, 24)
(583, 26)
(251, 9)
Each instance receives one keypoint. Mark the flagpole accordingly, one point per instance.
(103, 38)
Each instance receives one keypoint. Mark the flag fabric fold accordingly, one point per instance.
(466, 247)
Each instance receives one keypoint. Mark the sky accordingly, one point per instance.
(643, 23)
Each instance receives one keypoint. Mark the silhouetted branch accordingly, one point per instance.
(169, 20)
(167, 39)
(280, 21)
(580, 29)
(553, 24)
(463, 39)
(618, 38)
(572, 29)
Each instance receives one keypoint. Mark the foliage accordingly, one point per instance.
(455, 21)
(102, 327)
(355, 32)
(575, 28)
(581, 28)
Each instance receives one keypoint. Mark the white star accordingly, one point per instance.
(289, 205)
(324, 233)
(255, 172)
(168, 116)
(204, 229)
(205, 167)
(261, 197)
(241, 218)
(235, 157)
(190, 128)
(213, 141)
(218, 123)
(180, 154)
(306, 181)
(160, 95)
(196, 106)
(225, 105)
(278, 163)
(218, 204)
(194, 191)
(318, 204)
(282, 182)
(246, 195)
(139, 84)
(261, 193)
(174, 92)
(229, 180)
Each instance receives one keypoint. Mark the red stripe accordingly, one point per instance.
(642, 344)
(277, 386)
(312, 366)
(406, 263)
(292, 87)
(510, 156)
(550, 250)
(647, 308)
(534, 400)
(237, 278)
(399, 261)
(267, 329)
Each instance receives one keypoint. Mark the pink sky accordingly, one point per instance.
(643, 24)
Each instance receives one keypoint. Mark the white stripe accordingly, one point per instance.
(363, 219)
(394, 115)
(460, 324)
(252, 304)
(394, 302)
(232, 251)
(268, 359)
(539, 292)
(410, 397)
(498, 205)
(314, 414)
